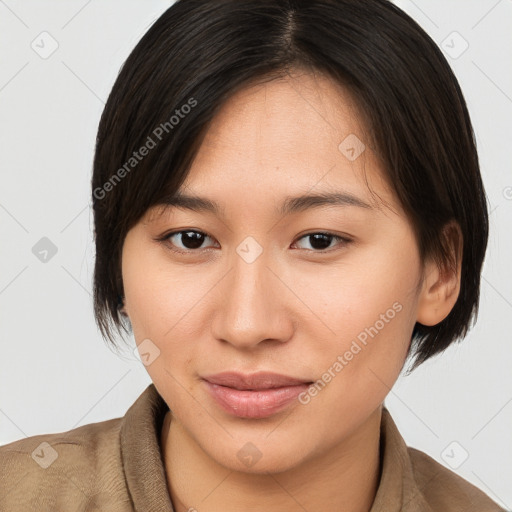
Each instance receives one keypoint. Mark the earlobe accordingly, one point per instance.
(441, 285)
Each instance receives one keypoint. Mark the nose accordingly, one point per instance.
(253, 305)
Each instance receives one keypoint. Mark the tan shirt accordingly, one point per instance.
(116, 466)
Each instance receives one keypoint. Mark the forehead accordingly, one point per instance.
(284, 112)
(283, 138)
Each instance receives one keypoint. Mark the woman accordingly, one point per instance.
(288, 206)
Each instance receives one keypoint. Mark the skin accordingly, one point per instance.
(293, 310)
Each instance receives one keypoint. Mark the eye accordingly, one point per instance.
(322, 241)
(184, 241)
(190, 241)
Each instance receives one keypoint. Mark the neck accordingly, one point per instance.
(346, 478)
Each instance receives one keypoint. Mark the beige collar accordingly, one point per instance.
(145, 471)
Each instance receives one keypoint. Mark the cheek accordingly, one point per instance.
(166, 304)
(157, 301)
(357, 290)
(157, 294)
(367, 308)
(163, 308)
(367, 296)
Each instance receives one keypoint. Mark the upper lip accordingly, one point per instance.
(260, 380)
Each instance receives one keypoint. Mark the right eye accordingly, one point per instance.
(185, 240)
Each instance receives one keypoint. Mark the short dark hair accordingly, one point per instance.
(200, 52)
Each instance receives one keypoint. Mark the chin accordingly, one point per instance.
(255, 459)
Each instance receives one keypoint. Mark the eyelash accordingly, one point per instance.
(165, 239)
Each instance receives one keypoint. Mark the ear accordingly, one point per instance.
(441, 282)
(121, 307)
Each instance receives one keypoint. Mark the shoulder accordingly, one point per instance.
(82, 465)
(444, 490)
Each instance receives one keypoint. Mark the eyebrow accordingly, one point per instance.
(289, 206)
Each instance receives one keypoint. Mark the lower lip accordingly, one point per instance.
(260, 403)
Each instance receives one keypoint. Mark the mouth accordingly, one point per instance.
(257, 395)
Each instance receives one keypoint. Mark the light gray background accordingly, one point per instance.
(55, 370)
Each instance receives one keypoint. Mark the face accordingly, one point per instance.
(323, 292)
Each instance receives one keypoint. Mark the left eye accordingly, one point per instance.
(322, 241)
(191, 241)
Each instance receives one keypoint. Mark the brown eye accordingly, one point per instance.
(322, 241)
(186, 240)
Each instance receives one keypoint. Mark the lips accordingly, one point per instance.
(258, 395)
(255, 381)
